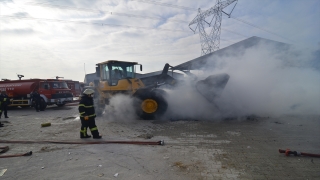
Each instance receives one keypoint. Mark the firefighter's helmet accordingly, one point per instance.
(88, 91)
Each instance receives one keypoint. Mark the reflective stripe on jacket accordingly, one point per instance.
(86, 107)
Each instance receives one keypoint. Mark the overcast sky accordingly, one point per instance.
(48, 38)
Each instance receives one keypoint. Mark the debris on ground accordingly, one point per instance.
(2, 171)
(68, 118)
(45, 124)
(146, 136)
(297, 153)
(180, 165)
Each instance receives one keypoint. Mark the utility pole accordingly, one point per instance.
(210, 42)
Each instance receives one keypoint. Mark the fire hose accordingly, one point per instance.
(297, 153)
(6, 148)
(87, 142)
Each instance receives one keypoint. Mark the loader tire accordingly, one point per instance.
(150, 105)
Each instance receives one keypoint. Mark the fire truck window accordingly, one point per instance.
(63, 85)
(44, 86)
(55, 85)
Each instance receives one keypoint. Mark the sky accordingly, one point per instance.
(66, 38)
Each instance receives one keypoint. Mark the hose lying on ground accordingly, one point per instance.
(6, 148)
(84, 142)
(297, 153)
(17, 155)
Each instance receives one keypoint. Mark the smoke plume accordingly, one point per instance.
(120, 109)
(265, 80)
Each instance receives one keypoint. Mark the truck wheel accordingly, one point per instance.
(42, 104)
(150, 105)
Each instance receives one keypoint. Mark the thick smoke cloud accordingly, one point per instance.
(120, 109)
(265, 80)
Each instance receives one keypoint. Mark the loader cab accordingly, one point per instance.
(113, 71)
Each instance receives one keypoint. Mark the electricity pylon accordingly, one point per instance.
(211, 42)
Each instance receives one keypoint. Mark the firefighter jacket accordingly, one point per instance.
(86, 107)
(1, 99)
(4, 99)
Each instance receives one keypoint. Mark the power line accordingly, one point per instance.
(103, 24)
(155, 18)
(250, 24)
(123, 14)
(167, 5)
(112, 13)
(107, 12)
(83, 22)
(235, 33)
(187, 8)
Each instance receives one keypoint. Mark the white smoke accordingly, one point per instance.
(264, 81)
(120, 108)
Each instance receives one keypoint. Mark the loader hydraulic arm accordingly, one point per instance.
(164, 78)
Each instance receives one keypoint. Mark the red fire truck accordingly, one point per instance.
(74, 86)
(52, 91)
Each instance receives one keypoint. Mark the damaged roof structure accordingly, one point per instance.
(234, 49)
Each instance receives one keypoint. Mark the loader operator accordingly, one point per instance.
(117, 74)
(4, 99)
(87, 115)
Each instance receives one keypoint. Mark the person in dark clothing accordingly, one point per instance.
(1, 99)
(42, 104)
(87, 115)
(36, 99)
(4, 104)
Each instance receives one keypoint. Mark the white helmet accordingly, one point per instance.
(88, 91)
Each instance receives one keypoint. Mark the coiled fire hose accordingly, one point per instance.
(6, 148)
(297, 153)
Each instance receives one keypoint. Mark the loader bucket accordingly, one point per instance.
(212, 86)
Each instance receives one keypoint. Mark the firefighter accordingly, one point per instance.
(4, 104)
(36, 99)
(87, 115)
(1, 125)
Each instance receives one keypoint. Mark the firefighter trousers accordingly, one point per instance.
(91, 124)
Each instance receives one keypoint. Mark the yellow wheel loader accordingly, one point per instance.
(149, 101)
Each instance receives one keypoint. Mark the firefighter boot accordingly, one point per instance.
(83, 133)
(95, 133)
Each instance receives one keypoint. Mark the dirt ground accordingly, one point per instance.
(194, 149)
